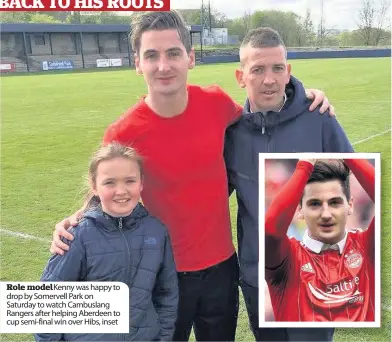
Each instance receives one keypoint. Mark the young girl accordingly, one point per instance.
(117, 240)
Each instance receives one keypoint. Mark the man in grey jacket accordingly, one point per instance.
(276, 119)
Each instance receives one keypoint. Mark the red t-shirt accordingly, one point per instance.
(309, 285)
(185, 182)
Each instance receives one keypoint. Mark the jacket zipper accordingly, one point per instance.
(262, 124)
(120, 226)
(263, 131)
(268, 142)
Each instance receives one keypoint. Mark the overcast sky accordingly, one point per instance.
(339, 14)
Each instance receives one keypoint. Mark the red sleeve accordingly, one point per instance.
(232, 110)
(235, 112)
(365, 173)
(280, 214)
(369, 240)
(109, 136)
(122, 130)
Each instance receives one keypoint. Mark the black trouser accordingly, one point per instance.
(251, 297)
(208, 302)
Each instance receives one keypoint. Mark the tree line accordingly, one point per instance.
(373, 24)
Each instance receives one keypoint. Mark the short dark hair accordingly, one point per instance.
(263, 37)
(147, 21)
(325, 171)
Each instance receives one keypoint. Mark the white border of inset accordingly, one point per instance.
(377, 222)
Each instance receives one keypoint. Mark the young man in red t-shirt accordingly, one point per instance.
(179, 130)
(329, 276)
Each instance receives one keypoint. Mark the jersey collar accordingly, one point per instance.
(318, 246)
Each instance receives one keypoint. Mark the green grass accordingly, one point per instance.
(51, 123)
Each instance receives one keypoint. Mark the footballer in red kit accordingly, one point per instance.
(329, 275)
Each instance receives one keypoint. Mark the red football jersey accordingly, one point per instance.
(312, 284)
(185, 182)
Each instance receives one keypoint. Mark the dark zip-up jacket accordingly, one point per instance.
(135, 250)
(294, 129)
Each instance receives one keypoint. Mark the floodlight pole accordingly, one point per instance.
(201, 21)
(129, 50)
(25, 51)
(81, 49)
(202, 31)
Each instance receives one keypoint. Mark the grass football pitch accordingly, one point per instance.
(51, 123)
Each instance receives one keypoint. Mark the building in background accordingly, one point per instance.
(36, 47)
(43, 47)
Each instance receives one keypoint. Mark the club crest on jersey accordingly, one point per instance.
(353, 259)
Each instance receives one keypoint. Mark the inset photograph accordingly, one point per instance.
(320, 240)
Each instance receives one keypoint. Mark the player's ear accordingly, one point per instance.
(350, 206)
(137, 64)
(192, 59)
(239, 75)
(300, 214)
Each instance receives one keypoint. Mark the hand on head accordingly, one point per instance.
(311, 161)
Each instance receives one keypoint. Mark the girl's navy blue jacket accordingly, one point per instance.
(135, 250)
